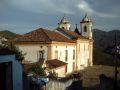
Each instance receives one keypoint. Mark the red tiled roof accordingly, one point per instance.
(71, 34)
(55, 63)
(42, 35)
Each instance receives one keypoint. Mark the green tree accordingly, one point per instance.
(38, 69)
(10, 48)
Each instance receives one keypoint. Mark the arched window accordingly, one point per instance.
(63, 28)
(56, 54)
(73, 54)
(85, 29)
(66, 55)
(41, 55)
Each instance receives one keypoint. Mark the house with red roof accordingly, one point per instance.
(61, 50)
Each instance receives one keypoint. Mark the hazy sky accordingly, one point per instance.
(21, 16)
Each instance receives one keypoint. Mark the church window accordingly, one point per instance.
(84, 47)
(85, 29)
(66, 68)
(41, 55)
(88, 62)
(79, 47)
(73, 54)
(88, 47)
(66, 55)
(56, 54)
(73, 66)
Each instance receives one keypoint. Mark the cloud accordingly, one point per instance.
(21, 15)
(85, 7)
(42, 6)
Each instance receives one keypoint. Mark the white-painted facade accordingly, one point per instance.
(61, 55)
(79, 53)
(80, 60)
(88, 32)
(86, 27)
(32, 51)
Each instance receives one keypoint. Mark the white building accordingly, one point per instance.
(62, 50)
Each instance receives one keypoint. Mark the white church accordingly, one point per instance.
(61, 50)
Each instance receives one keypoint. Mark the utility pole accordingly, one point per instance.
(115, 58)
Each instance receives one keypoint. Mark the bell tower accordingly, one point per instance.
(86, 27)
(64, 24)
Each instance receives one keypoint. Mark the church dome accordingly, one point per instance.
(64, 20)
(64, 24)
(86, 19)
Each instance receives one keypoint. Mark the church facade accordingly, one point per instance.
(61, 50)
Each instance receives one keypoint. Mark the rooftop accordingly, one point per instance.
(71, 34)
(55, 63)
(42, 35)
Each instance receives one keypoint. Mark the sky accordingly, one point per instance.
(22, 16)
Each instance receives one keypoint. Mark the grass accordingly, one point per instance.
(91, 74)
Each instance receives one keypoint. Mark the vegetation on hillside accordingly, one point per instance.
(7, 34)
(102, 58)
(103, 39)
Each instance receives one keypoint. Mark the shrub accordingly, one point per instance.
(52, 75)
(38, 69)
(10, 48)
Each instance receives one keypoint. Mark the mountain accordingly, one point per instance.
(103, 39)
(8, 34)
(103, 46)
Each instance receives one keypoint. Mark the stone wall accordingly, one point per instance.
(64, 85)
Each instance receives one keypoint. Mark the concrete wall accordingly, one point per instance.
(17, 71)
(57, 85)
(64, 85)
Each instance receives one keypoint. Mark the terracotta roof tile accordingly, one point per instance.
(42, 35)
(71, 34)
(55, 63)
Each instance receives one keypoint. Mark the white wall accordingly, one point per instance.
(66, 26)
(32, 50)
(61, 55)
(87, 34)
(60, 71)
(83, 55)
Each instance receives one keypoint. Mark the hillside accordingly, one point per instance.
(102, 43)
(103, 39)
(102, 58)
(7, 34)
